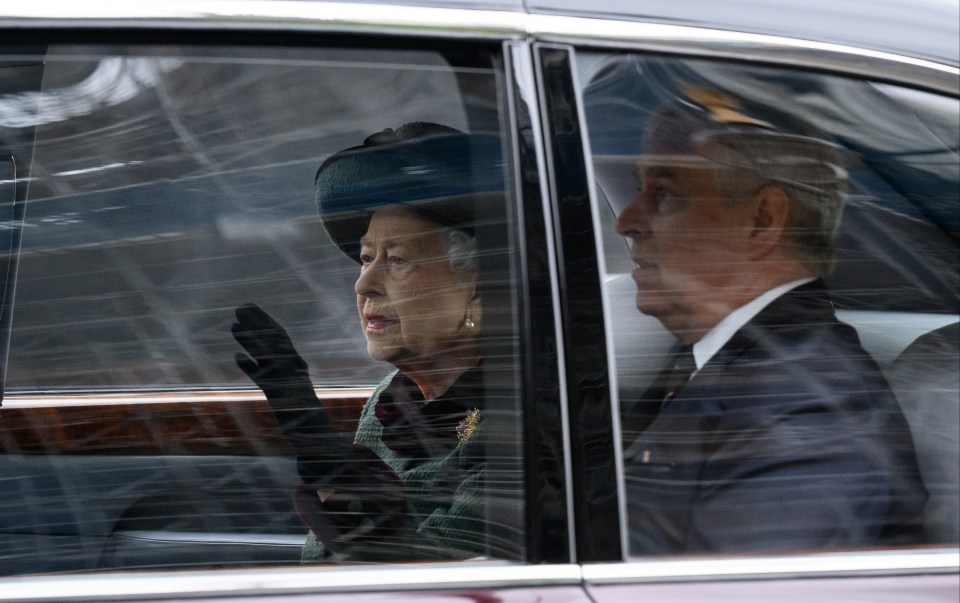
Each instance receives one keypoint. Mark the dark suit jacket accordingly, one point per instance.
(787, 439)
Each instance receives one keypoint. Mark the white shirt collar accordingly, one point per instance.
(718, 336)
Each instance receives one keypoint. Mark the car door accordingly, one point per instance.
(168, 179)
(894, 282)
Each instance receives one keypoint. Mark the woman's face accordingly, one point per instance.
(412, 305)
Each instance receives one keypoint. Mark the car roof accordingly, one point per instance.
(919, 29)
(925, 29)
(928, 29)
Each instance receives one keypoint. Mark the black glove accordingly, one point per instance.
(368, 499)
(361, 513)
(273, 363)
(277, 369)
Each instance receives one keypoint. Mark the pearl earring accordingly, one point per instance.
(468, 323)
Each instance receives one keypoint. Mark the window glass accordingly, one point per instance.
(205, 363)
(781, 255)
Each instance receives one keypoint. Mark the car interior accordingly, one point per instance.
(144, 208)
(130, 440)
(895, 279)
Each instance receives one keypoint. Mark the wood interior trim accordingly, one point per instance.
(156, 423)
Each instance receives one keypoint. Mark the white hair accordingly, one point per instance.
(461, 248)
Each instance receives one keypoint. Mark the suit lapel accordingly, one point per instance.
(780, 325)
(794, 313)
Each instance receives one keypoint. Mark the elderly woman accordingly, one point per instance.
(408, 486)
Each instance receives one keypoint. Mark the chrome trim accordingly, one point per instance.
(819, 565)
(51, 399)
(286, 15)
(296, 15)
(292, 541)
(315, 580)
(467, 575)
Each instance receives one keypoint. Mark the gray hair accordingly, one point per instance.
(461, 249)
(814, 213)
(748, 154)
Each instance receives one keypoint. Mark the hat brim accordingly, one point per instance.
(346, 228)
(440, 177)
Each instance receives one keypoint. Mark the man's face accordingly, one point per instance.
(687, 244)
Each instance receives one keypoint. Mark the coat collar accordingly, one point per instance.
(793, 315)
(416, 428)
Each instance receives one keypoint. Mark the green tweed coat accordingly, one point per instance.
(444, 515)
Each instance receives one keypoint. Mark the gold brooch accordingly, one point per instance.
(468, 425)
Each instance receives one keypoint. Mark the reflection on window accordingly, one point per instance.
(782, 273)
(261, 296)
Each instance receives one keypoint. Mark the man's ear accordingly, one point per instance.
(770, 211)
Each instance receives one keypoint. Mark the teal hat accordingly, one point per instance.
(429, 169)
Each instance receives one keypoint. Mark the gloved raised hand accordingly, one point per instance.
(363, 500)
(275, 366)
(273, 363)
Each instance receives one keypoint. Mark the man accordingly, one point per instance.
(779, 432)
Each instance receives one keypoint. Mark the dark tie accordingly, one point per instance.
(671, 378)
(683, 366)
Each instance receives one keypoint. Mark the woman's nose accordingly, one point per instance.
(370, 282)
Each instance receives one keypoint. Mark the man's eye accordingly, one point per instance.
(662, 196)
(365, 258)
(397, 261)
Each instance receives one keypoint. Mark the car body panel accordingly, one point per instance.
(905, 42)
(470, 581)
(926, 29)
(889, 589)
(938, 72)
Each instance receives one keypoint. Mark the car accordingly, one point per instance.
(159, 163)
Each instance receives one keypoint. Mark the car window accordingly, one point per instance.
(264, 308)
(781, 294)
